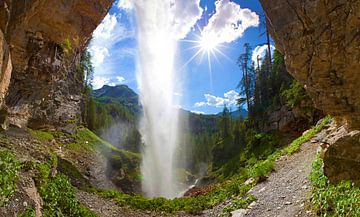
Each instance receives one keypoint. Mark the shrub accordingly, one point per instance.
(294, 94)
(342, 199)
(59, 199)
(29, 212)
(9, 168)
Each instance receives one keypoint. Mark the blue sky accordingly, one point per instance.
(203, 90)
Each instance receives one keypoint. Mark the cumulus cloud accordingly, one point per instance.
(100, 81)
(185, 16)
(229, 22)
(125, 4)
(120, 79)
(198, 112)
(260, 51)
(230, 99)
(105, 37)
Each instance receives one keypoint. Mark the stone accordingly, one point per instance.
(320, 41)
(5, 68)
(342, 155)
(46, 39)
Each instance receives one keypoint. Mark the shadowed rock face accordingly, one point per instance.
(46, 38)
(321, 43)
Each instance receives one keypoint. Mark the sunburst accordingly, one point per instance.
(206, 45)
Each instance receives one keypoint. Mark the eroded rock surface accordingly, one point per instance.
(46, 39)
(321, 43)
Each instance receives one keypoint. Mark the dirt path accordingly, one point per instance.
(286, 191)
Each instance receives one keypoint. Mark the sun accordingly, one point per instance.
(208, 42)
(205, 45)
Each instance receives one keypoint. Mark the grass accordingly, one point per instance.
(60, 200)
(29, 212)
(9, 168)
(341, 200)
(233, 188)
(42, 136)
(295, 145)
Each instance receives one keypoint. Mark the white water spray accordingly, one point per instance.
(156, 78)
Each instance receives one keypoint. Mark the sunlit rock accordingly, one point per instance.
(320, 40)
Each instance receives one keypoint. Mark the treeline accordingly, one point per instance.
(101, 114)
(237, 142)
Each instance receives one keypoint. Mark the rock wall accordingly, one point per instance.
(321, 43)
(46, 39)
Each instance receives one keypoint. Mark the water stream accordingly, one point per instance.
(156, 79)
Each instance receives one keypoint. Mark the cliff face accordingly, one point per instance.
(321, 43)
(42, 41)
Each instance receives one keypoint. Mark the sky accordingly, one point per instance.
(207, 83)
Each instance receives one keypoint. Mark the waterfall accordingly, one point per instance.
(156, 79)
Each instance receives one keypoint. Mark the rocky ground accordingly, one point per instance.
(285, 193)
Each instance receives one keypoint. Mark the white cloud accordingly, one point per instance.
(125, 4)
(186, 14)
(230, 99)
(98, 82)
(229, 22)
(120, 79)
(98, 55)
(105, 37)
(260, 51)
(182, 14)
(198, 112)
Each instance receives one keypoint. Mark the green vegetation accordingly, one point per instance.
(232, 188)
(194, 205)
(29, 212)
(56, 191)
(9, 168)
(41, 135)
(59, 199)
(66, 46)
(342, 199)
(294, 94)
(295, 145)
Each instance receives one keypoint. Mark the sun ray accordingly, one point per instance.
(193, 57)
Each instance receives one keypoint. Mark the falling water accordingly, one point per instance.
(156, 78)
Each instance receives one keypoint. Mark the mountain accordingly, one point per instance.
(118, 94)
(241, 112)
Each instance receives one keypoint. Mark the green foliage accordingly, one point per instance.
(41, 135)
(9, 168)
(192, 205)
(66, 46)
(59, 199)
(295, 145)
(29, 212)
(294, 94)
(342, 199)
(76, 178)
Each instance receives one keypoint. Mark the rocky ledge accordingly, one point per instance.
(41, 42)
(321, 43)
